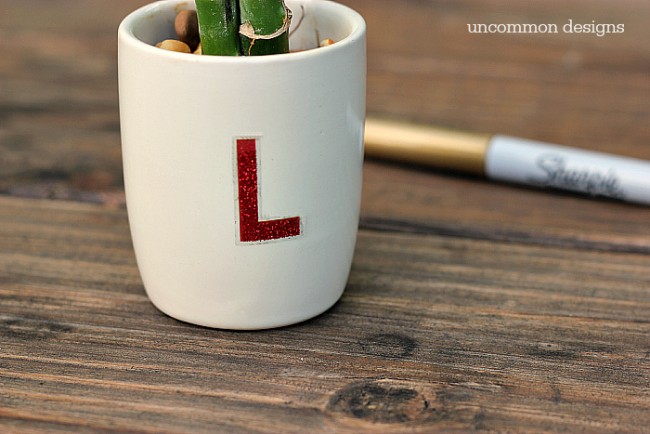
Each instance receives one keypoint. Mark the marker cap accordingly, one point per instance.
(426, 145)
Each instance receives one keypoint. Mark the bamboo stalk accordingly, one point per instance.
(264, 27)
(219, 27)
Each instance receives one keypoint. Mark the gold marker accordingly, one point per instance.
(511, 159)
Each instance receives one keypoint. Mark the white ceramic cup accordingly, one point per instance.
(243, 174)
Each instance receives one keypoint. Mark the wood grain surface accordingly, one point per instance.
(471, 306)
(433, 333)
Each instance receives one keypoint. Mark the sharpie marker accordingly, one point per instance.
(511, 159)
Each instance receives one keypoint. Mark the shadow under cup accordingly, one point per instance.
(243, 174)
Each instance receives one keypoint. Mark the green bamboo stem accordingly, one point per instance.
(264, 27)
(219, 27)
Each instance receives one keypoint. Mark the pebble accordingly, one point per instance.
(174, 45)
(186, 25)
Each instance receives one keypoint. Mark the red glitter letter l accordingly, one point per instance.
(250, 227)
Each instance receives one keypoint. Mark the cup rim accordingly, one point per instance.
(126, 35)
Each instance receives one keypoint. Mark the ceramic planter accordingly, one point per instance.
(243, 174)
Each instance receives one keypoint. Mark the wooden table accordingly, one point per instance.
(470, 306)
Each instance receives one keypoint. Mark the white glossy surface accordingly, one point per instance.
(180, 116)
